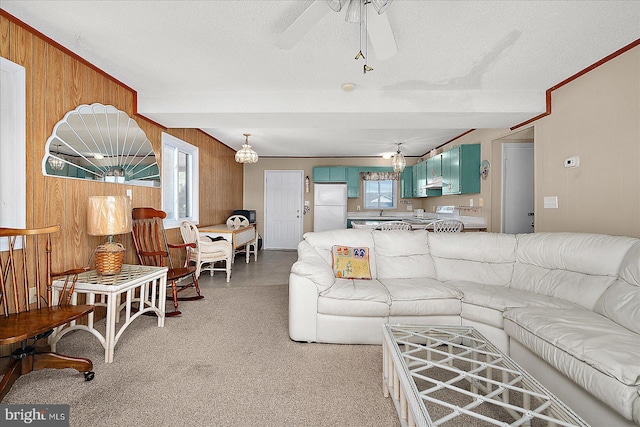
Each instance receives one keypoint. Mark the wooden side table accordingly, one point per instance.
(239, 237)
(142, 284)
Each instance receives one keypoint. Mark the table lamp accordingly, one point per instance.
(107, 216)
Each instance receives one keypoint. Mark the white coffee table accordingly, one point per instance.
(453, 376)
(144, 285)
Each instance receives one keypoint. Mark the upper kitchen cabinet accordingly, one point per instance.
(353, 182)
(330, 174)
(434, 168)
(406, 183)
(460, 170)
(420, 179)
(420, 173)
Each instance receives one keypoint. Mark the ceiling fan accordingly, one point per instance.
(377, 24)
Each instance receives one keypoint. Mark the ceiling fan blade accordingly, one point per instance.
(336, 5)
(303, 24)
(381, 35)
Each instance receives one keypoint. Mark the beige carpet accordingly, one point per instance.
(227, 361)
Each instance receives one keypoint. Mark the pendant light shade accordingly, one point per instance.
(398, 161)
(246, 153)
(56, 163)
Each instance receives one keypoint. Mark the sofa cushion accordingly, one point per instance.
(351, 263)
(403, 254)
(485, 258)
(577, 267)
(621, 397)
(500, 298)
(421, 297)
(324, 241)
(360, 298)
(621, 303)
(587, 336)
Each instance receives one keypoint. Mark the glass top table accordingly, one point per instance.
(453, 376)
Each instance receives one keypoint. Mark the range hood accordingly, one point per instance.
(434, 182)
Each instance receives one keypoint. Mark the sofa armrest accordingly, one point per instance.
(312, 266)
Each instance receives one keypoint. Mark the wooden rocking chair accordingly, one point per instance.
(152, 248)
(23, 266)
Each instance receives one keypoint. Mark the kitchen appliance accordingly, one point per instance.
(250, 214)
(329, 206)
(418, 213)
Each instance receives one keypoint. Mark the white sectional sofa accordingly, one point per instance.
(566, 306)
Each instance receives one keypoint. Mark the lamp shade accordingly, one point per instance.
(108, 215)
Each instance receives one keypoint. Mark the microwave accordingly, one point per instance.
(250, 214)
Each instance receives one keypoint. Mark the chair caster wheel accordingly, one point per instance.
(88, 376)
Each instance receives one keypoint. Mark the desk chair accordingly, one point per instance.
(237, 221)
(206, 253)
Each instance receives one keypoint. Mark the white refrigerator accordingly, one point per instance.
(329, 206)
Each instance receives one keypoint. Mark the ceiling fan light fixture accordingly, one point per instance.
(381, 5)
(335, 5)
(354, 10)
(246, 153)
(398, 161)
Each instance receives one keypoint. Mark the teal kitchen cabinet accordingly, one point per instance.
(420, 181)
(406, 183)
(461, 170)
(330, 174)
(353, 182)
(434, 167)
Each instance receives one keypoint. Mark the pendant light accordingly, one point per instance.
(246, 154)
(398, 161)
(55, 163)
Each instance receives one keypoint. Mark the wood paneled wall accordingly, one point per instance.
(58, 81)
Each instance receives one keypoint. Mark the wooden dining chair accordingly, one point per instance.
(25, 263)
(150, 241)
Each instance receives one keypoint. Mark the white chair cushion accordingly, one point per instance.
(421, 297)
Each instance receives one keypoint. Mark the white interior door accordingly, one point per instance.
(283, 209)
(517, 188)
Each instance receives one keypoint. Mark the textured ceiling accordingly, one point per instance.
(214, 65)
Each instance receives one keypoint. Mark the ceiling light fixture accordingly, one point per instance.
(398, 161)
(56, 163)
(246, 153)
(357, 13)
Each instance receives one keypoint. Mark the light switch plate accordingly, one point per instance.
(551, 202)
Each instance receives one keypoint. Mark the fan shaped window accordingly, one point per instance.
(101, 143)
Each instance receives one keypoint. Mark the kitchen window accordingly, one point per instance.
(180, 187)
(380, 194)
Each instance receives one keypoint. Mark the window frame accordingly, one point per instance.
(170, 142)
(13, 158)
(394, 193)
